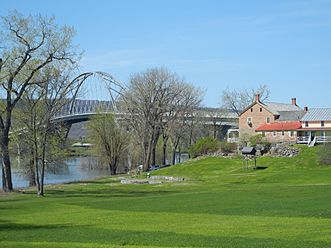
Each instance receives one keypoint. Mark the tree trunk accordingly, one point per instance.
(35, 154)
(32, 174)
(164, 151)
(174, 151)
(179, 154)
(155, 140)
(174, 156)
(114, 170)
(114, 165)
(43, 157)
(148, 156)
(215, 130)
(7, 184)
(153, 155)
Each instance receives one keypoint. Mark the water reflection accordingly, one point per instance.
(71, 169)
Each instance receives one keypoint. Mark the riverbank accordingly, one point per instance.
(222, 205)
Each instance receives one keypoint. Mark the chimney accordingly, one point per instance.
(257, 97)
(305, 109)
(294, 101)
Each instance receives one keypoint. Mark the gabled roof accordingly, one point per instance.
(280, 126)
(317, 114)
(276, 107)
(290, 115)
(252, 104)
(286, 112)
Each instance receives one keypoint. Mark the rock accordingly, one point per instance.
(283, 151)
(125, 181)
(168, 178)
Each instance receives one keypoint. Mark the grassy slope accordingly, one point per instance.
(221, 205)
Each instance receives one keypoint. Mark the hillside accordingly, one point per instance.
(219, 204)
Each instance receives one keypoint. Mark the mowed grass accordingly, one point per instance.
(219, 204)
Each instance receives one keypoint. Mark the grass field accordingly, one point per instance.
(217, 205)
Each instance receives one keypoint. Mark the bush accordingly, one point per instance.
(228, 147)
(203, 146)
(244, 139)
(257, 140)
(260, 143)
(324, 154)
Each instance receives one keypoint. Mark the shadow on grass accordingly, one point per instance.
(100, 193)
(9, 226)
(81, 234)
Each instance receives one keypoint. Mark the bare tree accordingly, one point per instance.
(109, 138)
(152, 100)
(27, 47)
(238, 100)
(177, 120)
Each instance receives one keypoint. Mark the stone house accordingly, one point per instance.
(278, 122)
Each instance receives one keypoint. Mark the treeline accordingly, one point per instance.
(38, 61)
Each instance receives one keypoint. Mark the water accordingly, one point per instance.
(73, 169)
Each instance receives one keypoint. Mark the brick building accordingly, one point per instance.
(278, 122)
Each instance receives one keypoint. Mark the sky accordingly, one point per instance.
(215, 45)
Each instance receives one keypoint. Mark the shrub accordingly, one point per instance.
(203, 146)
(257, 140)
(244, 139)
(324, 154)
(228, 147)
(260, 143)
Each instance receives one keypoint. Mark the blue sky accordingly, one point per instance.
(213, 44)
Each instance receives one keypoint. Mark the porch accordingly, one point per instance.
(306, 137)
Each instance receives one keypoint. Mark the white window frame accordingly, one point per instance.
(274, 133)
(266, 120)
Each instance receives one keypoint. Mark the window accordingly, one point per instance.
(249, 122)
(306, 124)
(251, 109)
(291, 133)
(268, 119)
(274, 133)
(283, 133)
(260, 109)
(322, 123)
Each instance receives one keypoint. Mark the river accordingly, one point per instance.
(72, 169)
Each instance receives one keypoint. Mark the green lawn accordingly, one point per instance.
(217, 205)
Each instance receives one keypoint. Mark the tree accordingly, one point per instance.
(203, 146)
(146, 100)
(29, 45)
(153, 100)
(238, 100)
(109, 138)
(42, 136)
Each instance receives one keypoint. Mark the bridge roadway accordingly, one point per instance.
(83, 110)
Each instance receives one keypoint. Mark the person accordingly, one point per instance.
(148, 174)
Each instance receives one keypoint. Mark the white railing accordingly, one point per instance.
(318, 139)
